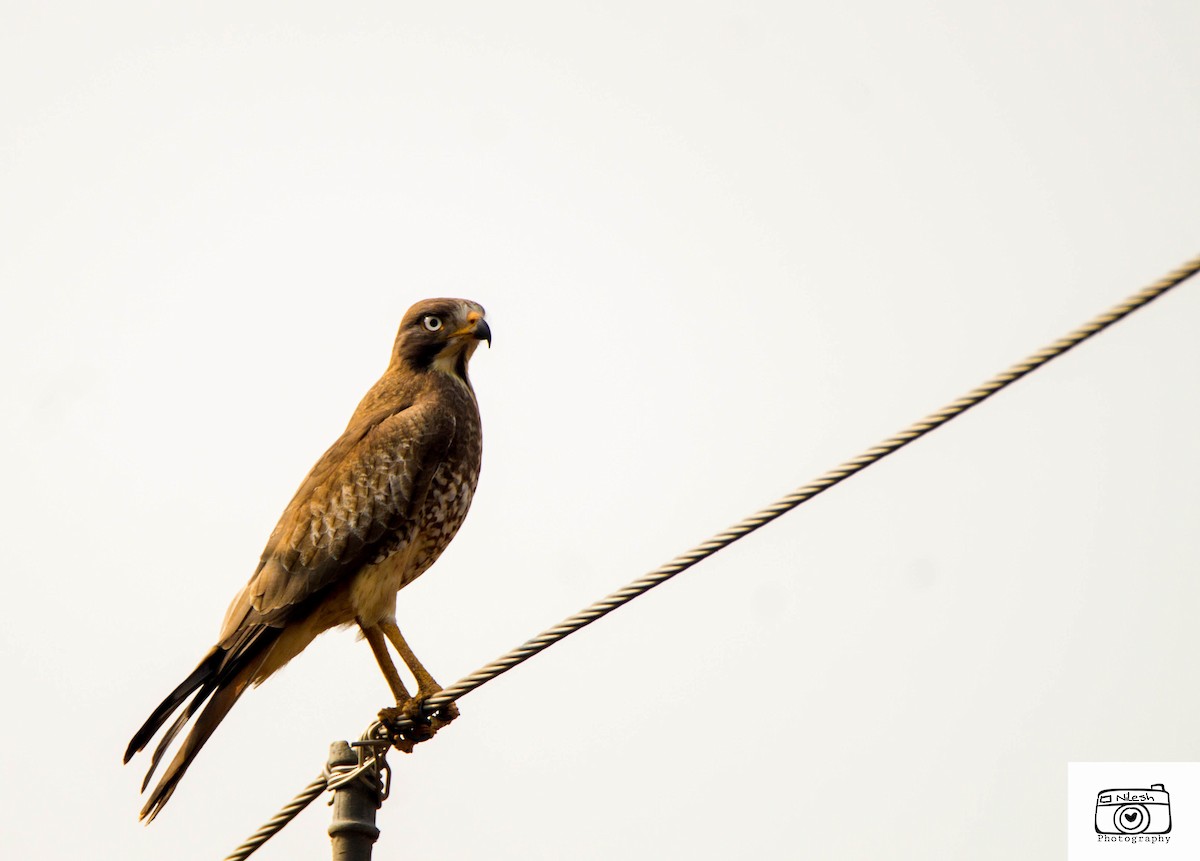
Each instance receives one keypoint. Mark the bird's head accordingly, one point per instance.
(441, 335)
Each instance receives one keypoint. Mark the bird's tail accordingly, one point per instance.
(218, 680)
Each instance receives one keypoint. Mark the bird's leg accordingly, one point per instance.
(417, 728)
(375, 638)
(426, 686)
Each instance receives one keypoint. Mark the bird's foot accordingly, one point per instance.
(422, 728)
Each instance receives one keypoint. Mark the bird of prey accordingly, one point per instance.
(373, 514)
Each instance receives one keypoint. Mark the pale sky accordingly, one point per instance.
(723, 247)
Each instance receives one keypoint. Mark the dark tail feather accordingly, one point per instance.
(204, 693)
(219, 680)
(204, 673)
(220, 704)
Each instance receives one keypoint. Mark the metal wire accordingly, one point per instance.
(739, 530)
(275, 824)
(819, 485)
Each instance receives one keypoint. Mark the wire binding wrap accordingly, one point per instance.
(702, 551)
(372, 753)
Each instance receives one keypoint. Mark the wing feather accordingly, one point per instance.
(355, 502)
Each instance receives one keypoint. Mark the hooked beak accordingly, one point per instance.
(483, 332)
(476, 328)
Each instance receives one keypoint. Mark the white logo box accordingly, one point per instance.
(1156, 805)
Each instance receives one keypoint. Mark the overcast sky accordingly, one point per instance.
(723, 247)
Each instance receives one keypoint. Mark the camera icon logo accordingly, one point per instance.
(1133, 811)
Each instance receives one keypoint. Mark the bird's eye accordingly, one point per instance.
(433, 323)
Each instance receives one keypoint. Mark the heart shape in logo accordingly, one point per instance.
(1131, 816)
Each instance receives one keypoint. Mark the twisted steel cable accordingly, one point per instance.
(275, 824)
(702, 551)
(802, 494)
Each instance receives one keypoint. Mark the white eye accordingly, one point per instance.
(433, 323)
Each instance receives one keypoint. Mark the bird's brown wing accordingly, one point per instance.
(356, 502)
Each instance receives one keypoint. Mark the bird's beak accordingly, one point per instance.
(476, 328)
